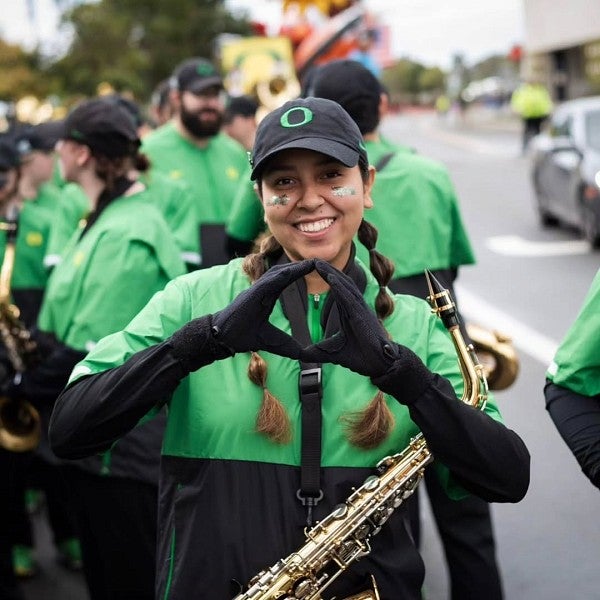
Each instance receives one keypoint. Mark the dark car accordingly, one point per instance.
(566, 168)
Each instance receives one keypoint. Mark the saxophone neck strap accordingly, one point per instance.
(294, 301)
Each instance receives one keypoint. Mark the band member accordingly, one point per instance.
(573, 386)
(297, 350)
(118, 259)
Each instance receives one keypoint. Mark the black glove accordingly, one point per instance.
(363, 346)
(243, 325)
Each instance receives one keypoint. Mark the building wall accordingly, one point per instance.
(562, 46)
(555, 24)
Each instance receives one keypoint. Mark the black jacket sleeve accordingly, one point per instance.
(95, 411)
(42, 382)
(577, 418)
(486, 458)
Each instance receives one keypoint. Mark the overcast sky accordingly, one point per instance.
(430, 31)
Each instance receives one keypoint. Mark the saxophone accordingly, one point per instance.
(19, 420)
(343, 536)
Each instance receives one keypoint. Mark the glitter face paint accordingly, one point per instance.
(342, 192)
(278, 200)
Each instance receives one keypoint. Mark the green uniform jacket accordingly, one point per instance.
(36, 225)
(213, 172)
(576, 365)
(227, 501)
(175, 200)
(107, 276)
(65, 223)
(417, 214)
(103, 280)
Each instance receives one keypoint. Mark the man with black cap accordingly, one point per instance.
(417, 214)
(191, 147)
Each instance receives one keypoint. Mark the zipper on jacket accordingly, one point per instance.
(314, 317)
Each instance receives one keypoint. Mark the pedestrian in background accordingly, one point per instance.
(532, 102)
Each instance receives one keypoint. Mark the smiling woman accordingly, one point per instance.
(288, 374)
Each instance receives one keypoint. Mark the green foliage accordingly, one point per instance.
(20, 75)
(432, 79)
(402, 78)
(134, 44)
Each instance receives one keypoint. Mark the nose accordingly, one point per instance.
(311, 198)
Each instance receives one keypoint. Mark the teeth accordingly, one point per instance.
(315, 226)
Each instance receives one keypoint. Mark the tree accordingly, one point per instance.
(402, 80)
(134, 44)
(20, 75)
(432, 79)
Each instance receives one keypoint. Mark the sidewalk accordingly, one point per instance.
(487, 118)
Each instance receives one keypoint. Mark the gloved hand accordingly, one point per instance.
(243, 325)
(363, 346)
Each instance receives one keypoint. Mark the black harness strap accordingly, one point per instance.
(310, 391)
(294, 301)
(383, 161)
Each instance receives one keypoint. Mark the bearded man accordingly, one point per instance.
(191, 148)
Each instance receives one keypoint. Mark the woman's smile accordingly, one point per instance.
(315, 226)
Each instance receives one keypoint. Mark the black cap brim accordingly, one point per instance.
(338, 151)
(199, 85)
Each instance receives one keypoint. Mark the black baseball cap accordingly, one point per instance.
(41, 137)
(244, 106)
(195, 75)
(313, 124)
(352, 85)
(104, 126)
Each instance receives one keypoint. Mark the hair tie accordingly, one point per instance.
(372, 250)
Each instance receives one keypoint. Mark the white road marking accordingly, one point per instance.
(513, 245)
(535, 344)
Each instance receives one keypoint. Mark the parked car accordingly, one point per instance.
(566, 168)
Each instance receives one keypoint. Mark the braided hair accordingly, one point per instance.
(366, 428)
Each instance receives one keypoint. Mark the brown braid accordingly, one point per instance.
(271, 420)
(369, 427)
(110, 169)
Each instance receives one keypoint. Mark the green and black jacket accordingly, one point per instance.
(227, 504)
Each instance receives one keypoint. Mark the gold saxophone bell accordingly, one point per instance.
(497, 354)
(19, 425)
(20, 428)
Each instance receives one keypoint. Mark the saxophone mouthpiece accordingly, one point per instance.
(441, 301)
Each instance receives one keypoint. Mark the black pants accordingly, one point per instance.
(117, 527)
(464, 526)
(49, 478)
(531, 127)
(9, 498)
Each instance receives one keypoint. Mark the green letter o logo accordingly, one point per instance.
(307, 117)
